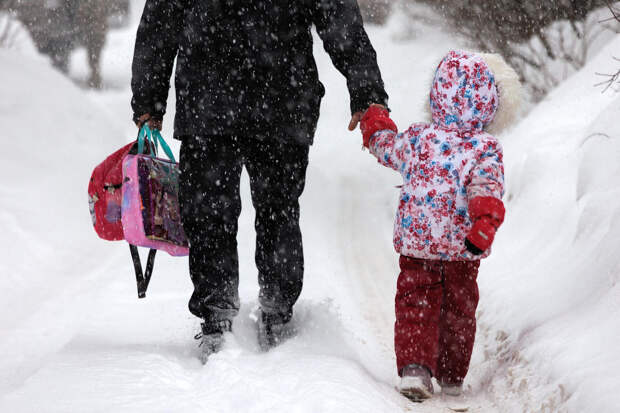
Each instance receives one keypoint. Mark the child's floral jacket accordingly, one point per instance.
(447, 163)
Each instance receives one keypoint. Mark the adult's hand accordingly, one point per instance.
(153, 123)
(357, 116)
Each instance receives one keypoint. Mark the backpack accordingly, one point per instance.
(133, 196)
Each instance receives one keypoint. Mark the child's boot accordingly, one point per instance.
(415, 383)
(452, 395)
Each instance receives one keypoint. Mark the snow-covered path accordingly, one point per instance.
(96, 347)
(75, 338)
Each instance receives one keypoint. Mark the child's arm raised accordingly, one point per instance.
(381, 137)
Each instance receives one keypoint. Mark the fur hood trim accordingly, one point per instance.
(510, 93)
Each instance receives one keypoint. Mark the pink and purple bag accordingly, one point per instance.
(133, 195)
(150, 207)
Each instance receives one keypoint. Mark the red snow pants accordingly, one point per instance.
(436, 316)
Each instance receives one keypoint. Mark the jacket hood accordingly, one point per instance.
(464, 95)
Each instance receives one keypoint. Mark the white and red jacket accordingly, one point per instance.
(452, 169)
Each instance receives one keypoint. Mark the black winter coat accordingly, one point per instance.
(247, 65)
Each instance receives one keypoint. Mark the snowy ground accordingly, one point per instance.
(76, 338)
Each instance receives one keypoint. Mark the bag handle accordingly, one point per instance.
(153, 137)
(142, 280)
(145, 133)
(164, 145)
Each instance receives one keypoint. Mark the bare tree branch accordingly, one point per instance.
(615, 13)
(612, 79)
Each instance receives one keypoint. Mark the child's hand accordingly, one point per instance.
(487, 214)
(357, 116)
(376, 119)
(481, 236)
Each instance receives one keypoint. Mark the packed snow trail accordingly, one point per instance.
(82, 341)
(88, 344)
(97, 348)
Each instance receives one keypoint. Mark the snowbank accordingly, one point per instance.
(550, 299)
(52, 136)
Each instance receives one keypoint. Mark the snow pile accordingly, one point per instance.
(550, 299)
(52, 136)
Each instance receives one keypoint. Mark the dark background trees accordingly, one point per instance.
(545, 41)
(376, 11)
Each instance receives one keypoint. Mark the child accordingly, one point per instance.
(450, 208)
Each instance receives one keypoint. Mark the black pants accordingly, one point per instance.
(210, 206)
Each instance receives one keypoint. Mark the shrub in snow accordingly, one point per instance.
(544, 41)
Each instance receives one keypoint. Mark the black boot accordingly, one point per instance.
(274, 328)
(211, 337)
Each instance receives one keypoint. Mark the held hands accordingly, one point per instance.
(357, 116)
(154, 124)
(376, 118)
(487, 214)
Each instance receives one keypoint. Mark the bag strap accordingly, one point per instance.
(154, 138)
(142, 281)
(164, 145)
(145, 134)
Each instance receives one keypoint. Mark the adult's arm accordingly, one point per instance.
(157, 43)
(339, 24)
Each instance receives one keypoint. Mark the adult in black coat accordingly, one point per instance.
(248, 94)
